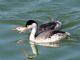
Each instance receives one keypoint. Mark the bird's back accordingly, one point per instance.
(54, 25)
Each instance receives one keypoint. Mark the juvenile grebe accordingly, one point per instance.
(53, 25)
(46, 35)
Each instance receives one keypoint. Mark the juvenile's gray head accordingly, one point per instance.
(29, 25)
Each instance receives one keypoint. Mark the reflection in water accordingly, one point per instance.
(29, 55)
(24, 51)
(34, 49)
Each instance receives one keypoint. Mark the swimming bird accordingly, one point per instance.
(45, 35)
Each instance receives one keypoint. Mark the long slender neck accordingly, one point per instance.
(33, 32)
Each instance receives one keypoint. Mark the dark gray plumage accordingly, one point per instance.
(54, 25)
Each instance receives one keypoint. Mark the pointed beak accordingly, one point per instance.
(13, 29)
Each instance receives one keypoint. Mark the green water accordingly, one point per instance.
(14, 13)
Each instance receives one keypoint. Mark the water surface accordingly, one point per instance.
(14, 13)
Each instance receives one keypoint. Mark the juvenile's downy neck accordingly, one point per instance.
(33, 32)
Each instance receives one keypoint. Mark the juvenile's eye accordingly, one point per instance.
(18, 28)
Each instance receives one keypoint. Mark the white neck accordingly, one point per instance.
(34, 29)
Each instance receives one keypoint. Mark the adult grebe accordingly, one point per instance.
(46, 35)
